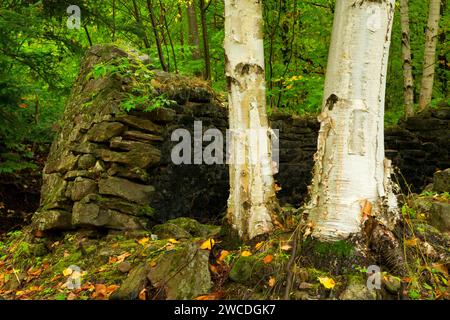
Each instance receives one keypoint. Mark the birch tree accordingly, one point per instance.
(408, 89)
(252, 195)
(351, 174)
(429, 57)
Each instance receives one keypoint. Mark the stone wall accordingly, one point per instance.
(112, 169)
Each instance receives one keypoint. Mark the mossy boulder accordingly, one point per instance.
(183, 228)
(357, 290)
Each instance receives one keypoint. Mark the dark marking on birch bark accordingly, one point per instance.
(247, 68)
(332, 99)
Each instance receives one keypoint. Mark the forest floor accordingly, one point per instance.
(183, 259)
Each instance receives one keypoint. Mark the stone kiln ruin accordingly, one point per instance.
(111, 169)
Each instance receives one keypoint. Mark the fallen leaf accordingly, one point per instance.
(170, 247)
(72, 296)
(67, 272)
(286, 247)
(272, 282)
(213, 269)
(211, 296)
(259, 245)
(173, 241)
(66, 254)
(152, 264)
(123, 256)
(143, 241)
(246, 253)
(143, 294)
(440, 268)
(223, 255)
(100, 291)
(411, 242)
(208, 244)
(268, 259)
(112, 260)
(328, 283)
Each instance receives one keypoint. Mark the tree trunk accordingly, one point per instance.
(252, 194)
(157, 39)
(351, 175)
(180, 13)
(137, 16)
(206, 55)
(408, 89)
(193, 37)
(166, 26)
(429, 57)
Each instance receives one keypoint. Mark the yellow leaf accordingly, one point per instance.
(268, 259)
(143, 294)
(67, 272)
(223, 255)
(272, 282)
(123, 256)
(143, 241)
(208, 244)
(328, 283)
(152, 264)
(173, 241)
(411, 242)
(246, 253)
(259, 245)
(286, 247)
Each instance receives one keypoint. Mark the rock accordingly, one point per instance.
(438, 212)
(139, 123)
(163, 115)
(305, 286)
(183, 273)
(61, 163)
(441, 181)
(132, 285)
(86, 161)
(134, 173)
(143, 157)
(140, 136)
(52, 220)
(124, 267)
(195, 228)
(170, 230)
(82, 187)
(72, 175)
(104, 131)
(357, 290)
(91, 214)
(242, 269)
(53, 191)
(126, 189)
(392, 284)
(85, 147)
(439, 215)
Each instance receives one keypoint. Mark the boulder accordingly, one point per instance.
(132, 285)
(139, 123)
(441, 181)
(183, 273)
(357, 290)
(82, 187)
(52, 220)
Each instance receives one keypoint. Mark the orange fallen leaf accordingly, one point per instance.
(213, 269)
(112, 260)
(72, 296)
(268, 259)
(143, 294)
(223, 255)
(246, 253)
(211, 296)
(100, 291)
(272, 282)
(411, 242)
(259, 245)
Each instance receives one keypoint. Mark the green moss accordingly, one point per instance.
(338, 248)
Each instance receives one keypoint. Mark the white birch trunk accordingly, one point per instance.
(429, 57)
(406, 53)
(350, 170)
(252, 195)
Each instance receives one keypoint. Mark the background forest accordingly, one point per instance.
(40, 55)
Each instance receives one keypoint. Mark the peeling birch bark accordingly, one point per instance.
(429, 57)
(252, 194)
(349, 164)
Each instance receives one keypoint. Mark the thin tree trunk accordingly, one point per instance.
(351, 174)
(87, 34)
(166, 26)
(155, 32)
(137, 16)
(180, 13)
(252, 198)
(408, 89)
(193, 38)
(113, 35)
(429, 58)
(206, 55)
